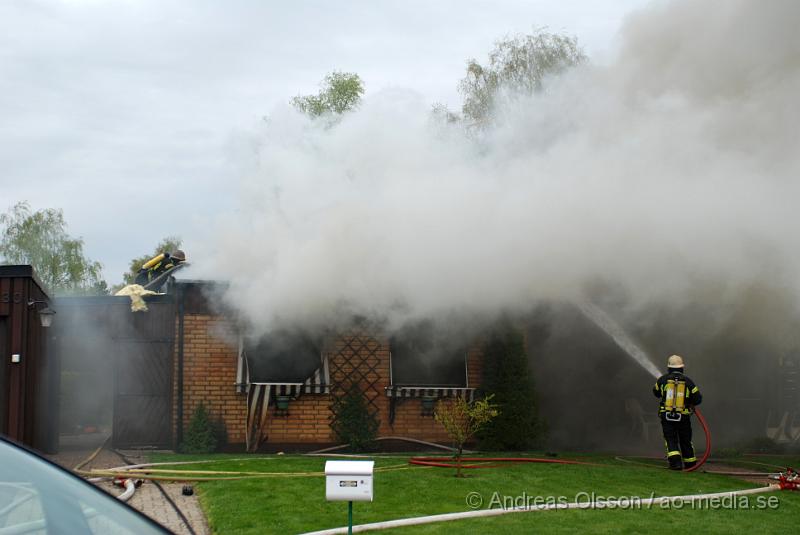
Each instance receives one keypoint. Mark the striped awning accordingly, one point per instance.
(429, 392)
(257, 412)
(259, 394)
(316, 384)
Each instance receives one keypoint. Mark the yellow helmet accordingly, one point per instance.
(675, 361)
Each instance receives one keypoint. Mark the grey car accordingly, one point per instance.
(39, 497)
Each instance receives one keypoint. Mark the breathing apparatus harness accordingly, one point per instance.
(675, 400)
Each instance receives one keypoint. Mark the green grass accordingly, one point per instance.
(293, 505)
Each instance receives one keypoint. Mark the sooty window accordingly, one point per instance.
(284, 356)
(426, 354)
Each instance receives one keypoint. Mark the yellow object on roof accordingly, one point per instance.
(153, 261)
(136, 292)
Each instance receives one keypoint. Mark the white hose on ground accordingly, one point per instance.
(423, 443)
(597, 504)
(130, 488)
(355, 456)
(403, 439)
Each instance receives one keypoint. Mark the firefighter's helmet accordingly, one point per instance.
(179, 255)
(675, 361)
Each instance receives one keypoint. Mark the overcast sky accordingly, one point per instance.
(124, 112)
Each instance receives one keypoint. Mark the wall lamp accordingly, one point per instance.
(45, 314)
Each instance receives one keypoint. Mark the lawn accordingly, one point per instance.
(297, 504)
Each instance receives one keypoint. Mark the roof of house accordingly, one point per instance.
(22, 271)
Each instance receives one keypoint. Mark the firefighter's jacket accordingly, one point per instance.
(691, 394)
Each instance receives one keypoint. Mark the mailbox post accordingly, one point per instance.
(349, 481)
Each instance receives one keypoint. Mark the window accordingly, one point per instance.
(282, 357)
(424, 355)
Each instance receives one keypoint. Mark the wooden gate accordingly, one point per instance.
(143, 394)
(102, 340)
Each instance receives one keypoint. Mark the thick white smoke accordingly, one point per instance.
(675, 165)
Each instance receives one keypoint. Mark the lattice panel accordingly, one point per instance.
(356, 358)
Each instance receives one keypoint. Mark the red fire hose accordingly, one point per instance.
(493, 462)
(706, 453)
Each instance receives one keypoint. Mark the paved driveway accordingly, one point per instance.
(148, 498)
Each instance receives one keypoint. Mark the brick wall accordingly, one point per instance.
(209, 373)
(210, 360)
(410, 422)
(475, 366)
(307, 422)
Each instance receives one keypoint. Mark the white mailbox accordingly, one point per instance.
(348, 481)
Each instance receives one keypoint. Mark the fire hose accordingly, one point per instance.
(704, 425)
(488, 462)
(483, 513)
(492, 462)
(130, 487)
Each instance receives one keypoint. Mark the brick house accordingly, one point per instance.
(263, 405)
(146, 372)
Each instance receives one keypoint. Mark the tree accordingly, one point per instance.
(443, 114)
(40, 239)
(354, 423)
(517, 66)
(167, 245)
(506, 375)
(339, 92)
(462, 420)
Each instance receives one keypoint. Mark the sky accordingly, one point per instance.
(131, 115)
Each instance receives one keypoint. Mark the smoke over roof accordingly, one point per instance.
(670, 169)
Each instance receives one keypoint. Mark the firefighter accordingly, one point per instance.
(678, 395)
(158, 265)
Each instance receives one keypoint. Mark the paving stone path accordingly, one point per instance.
(147, 498)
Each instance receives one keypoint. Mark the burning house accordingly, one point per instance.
(667, 173)
(156, 367)
(143, 374)
(280, 389)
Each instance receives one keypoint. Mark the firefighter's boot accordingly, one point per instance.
(675, 462)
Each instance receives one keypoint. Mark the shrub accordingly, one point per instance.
(200, 436)
(461, 419)
(507, 377)
(354, 423)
